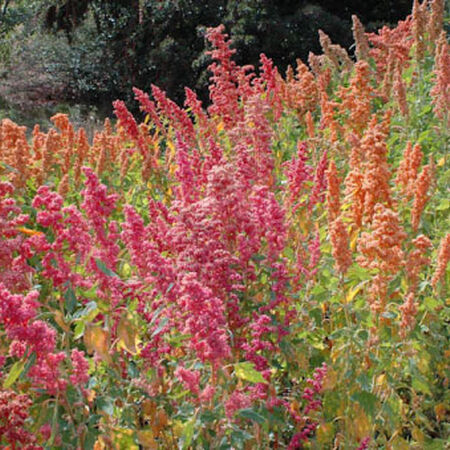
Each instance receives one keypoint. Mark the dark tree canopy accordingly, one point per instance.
(117, 44)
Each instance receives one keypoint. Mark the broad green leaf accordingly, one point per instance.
(160, 326)
(316, 314)
(71, 300)
(80, 326)
(431, 303)
(14, 373)
(91, 293)
(30, 361)
(364, 381)
(239, 437)
(258, 258)
(246, 371)
(419, 384)
(289, 253)
(102, 266)
(358, 273)
(188, 433)
(444, 204)
(88, 313)
(367, 400)
(250, 414)
(156, 314)
(435, 444)
(106, 405)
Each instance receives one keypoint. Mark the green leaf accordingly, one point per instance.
(91, 293)
(107, 271)
(71, 300)
(246, 371)
(252, 415)
(239, 437)
(420, 384)
(88, 312)
(106, 405)
(289, 253)
(161, 325)
(10, 168)
(431, 303)
(177, 340)
(358, 273)
(425, 110)
(188, 433)
(91, 438)
(444, 204)
(30, 361)
(389, 315)
(435, 444)
(54, 424)
(331, 404)
(156, 314)
(258, 258)
(424, 135)
(132, 370)
(367, 400)
(363, 335)
(14, 373)
(79, 329)
(316, 314)
(364, 381)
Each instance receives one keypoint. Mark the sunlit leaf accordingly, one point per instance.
(28, 231)
(353, 292)
(246, 371)
(14, 373)
(188, 433)
(123, 438)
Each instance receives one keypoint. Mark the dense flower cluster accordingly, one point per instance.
(14, 411)
(199, 280)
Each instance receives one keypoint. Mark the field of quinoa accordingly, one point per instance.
(269, 272)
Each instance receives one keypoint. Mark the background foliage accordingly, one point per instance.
(87, 52)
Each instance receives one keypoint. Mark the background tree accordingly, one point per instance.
(93, 51)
